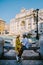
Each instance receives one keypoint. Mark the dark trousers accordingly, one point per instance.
(21, 51)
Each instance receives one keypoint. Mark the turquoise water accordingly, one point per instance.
(12, 37)
(8, 37)
(33, 39)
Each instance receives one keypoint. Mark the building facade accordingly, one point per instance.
(24, 22)
(6, 28)
(2, 26)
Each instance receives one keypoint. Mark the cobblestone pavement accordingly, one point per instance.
(24, 62)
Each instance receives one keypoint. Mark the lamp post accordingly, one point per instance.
(36, 19)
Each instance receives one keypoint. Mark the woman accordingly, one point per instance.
(18, 48)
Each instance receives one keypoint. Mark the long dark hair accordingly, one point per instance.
(24, 36)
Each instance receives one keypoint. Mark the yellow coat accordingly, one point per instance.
(18, 45)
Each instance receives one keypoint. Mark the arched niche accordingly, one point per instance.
(23, 23)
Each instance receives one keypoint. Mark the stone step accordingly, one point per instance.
(27, 54)
(24, 58)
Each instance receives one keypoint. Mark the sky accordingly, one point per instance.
(9, 8)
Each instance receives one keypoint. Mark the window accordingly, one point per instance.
(0, 32)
